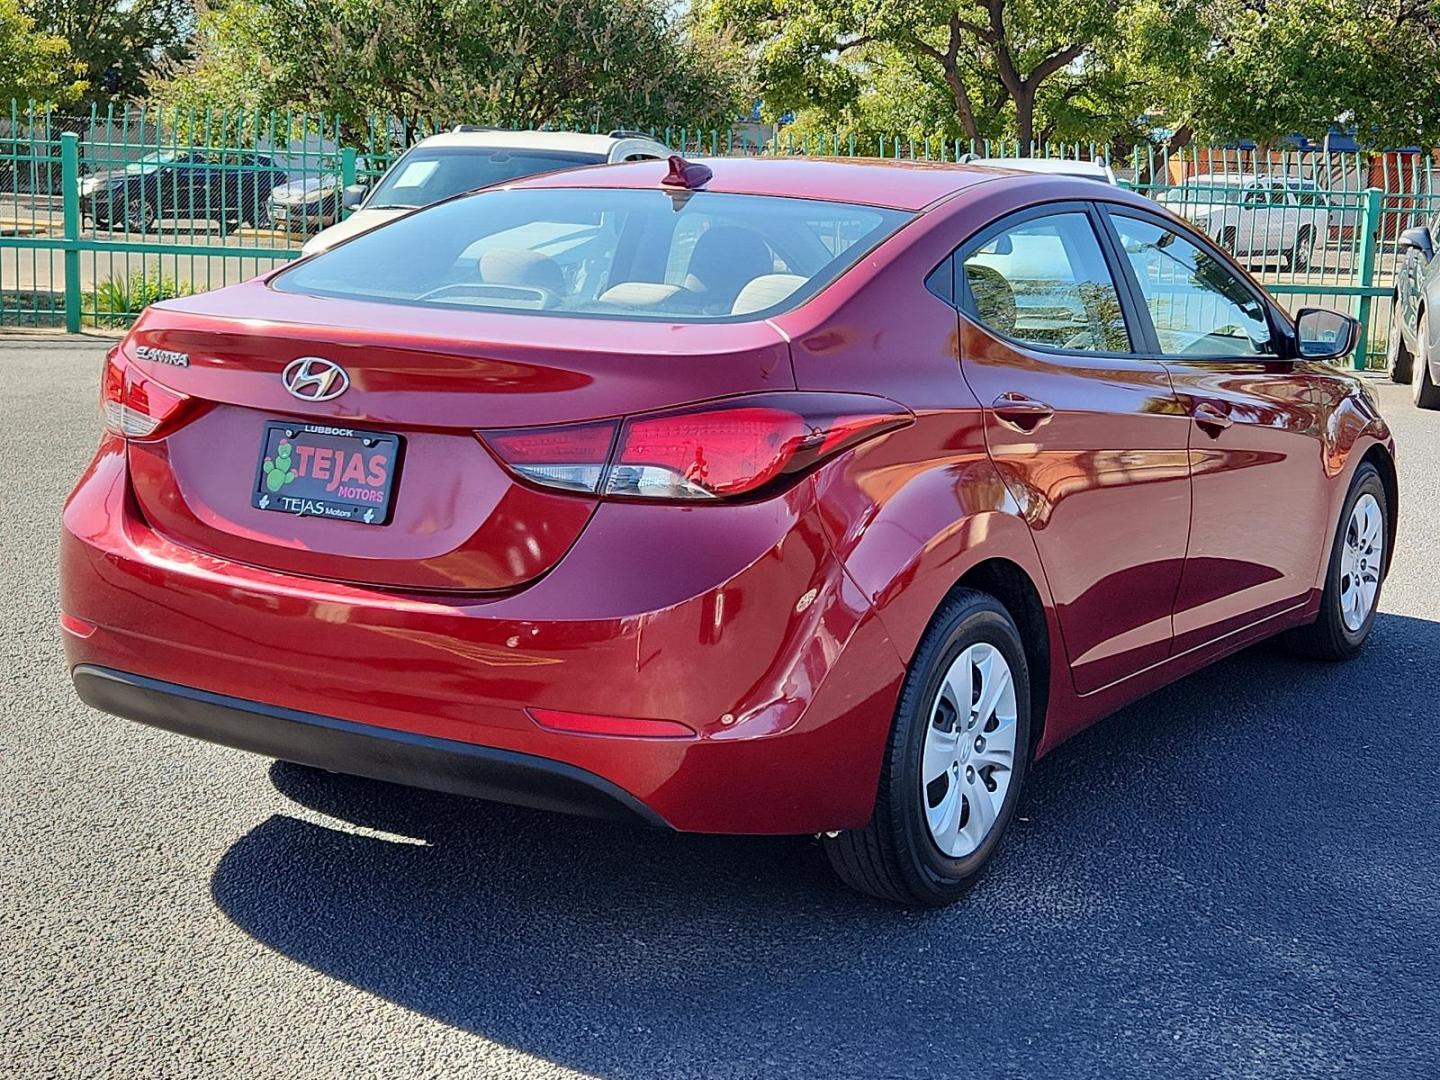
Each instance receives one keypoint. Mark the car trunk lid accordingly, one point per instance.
(428, 378)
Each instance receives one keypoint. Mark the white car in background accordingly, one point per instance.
(1263, 219)
(1089, 170)
(472, 157)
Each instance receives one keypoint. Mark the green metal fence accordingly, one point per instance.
(97, 220)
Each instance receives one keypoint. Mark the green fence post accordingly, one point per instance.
(1369, 241)
(347, 174)
(70, 201)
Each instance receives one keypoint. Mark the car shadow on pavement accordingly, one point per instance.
(1210, 874)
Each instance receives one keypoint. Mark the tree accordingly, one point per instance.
(1267, 69)
(507, 62)
(118, 43)
(241, 58)
(1019, 65)
(34, 66)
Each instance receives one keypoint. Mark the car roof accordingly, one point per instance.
(898, 185)
(498, 138)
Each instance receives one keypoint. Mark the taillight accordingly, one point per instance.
(132, 404)
(728, 449)
(569, 456)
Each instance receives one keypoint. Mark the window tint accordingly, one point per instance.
(1045, 281)
(1198, 306)
(637, 253)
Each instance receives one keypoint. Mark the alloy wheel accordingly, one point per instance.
(1360, 562)
(138, 216)
(969, 753)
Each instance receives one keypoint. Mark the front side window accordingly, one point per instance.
(427, 175)
(1198, 305)
(635, 253)
(1045, 281)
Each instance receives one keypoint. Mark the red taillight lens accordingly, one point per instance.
(570, 456)
(727, 450)
(706, 455)
(133, 405)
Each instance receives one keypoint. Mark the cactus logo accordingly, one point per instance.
(279, 470)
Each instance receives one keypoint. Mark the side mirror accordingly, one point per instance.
(1418, 238)
(353, 196)
(1322, 334)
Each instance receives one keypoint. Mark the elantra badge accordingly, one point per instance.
(313, 378)
(162, 356)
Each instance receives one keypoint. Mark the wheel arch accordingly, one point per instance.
(1017, 593)
(1379, 456)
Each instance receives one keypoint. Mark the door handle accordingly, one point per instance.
(1211, 418)
(1021, 412)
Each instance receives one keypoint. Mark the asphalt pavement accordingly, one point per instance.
(1238, 877)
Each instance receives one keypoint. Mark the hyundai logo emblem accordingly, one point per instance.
(313, 378)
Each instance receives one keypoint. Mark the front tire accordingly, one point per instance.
(1352, 581)
(954, 763)
(139, 216)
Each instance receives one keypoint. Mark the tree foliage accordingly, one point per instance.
(117, 43)
(1093, 69)
(1026, 67)
(1266, 69)
(35, 66)
(513, 63)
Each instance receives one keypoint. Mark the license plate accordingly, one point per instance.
(315, 470)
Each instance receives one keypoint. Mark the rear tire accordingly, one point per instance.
(1422, 387)
(1300, 253)
(1358, 558)
(1399, 363)
(966, 696)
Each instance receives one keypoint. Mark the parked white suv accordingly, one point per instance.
(1270, 219)
(472, 157)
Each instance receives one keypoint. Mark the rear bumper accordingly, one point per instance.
(358, 749)
(743, 628)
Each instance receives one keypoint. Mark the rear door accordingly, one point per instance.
(1087, 435)
(1256, 424)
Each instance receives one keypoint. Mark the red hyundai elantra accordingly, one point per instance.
(758, 497)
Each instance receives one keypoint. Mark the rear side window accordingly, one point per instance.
(643, 254)
(1045, 281)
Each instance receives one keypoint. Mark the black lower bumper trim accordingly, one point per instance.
(360, 749)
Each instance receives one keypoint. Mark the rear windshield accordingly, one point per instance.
(425, 176)
(640, 254)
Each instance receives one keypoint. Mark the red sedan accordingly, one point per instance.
(751, 497)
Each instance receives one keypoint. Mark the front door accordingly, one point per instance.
(1088, 437)
(1259, 520)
